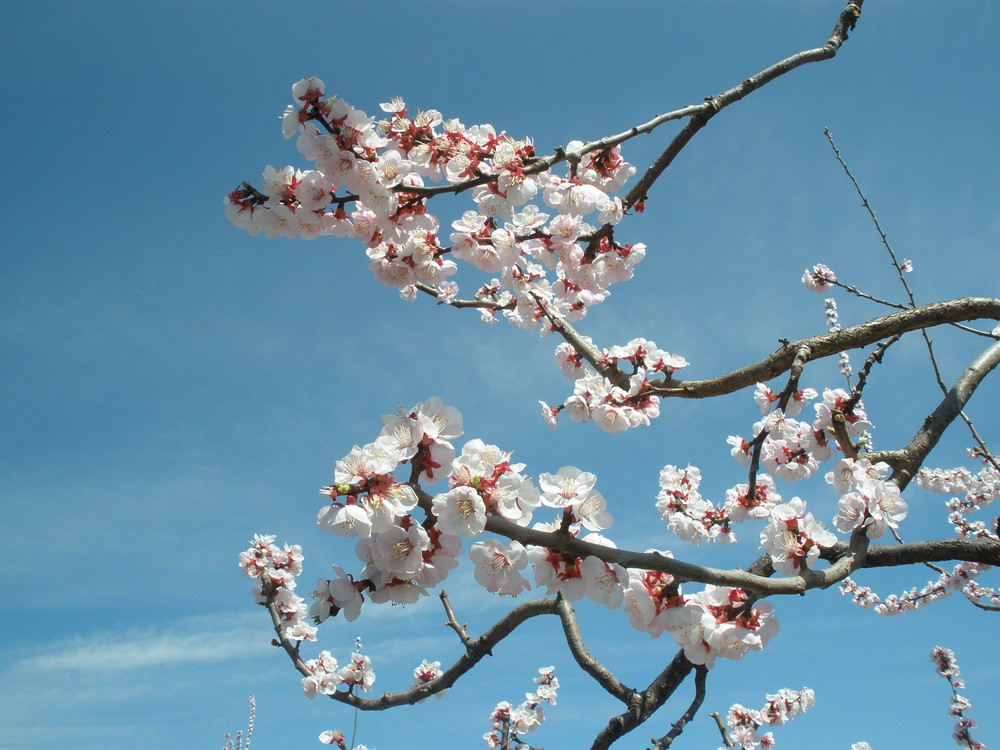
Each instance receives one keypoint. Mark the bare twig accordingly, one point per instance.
(906, 287)
(722, 729)
(715, 104)
(453, 623)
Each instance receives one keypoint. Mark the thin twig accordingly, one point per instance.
(453, 623)
(722, 730)
(884, 239)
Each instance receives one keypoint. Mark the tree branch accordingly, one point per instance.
(946, 412)
(985, 551)
(828, 344)
(700, 673)
(601, 674)
(476, 650)
(715, 104)
(659, 690)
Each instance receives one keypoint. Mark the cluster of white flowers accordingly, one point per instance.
(717, 622)
(819, 278)
(980, 490)
(508, 723)
(794, 538)
(793, 449)
(876, 505)
(960, 578)
(484, 482)
(686, 513)
(611, 407)
(404, 557)
(778, 709)
(425, 673)
(575, 577)
(370, 181)
(336, 737)
(327, 675)
(274, 571)
(867, 501)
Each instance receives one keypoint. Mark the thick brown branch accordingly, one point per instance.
(947, 411)
(985, 551)
(683, 571)
(652, 698)
(700, 673)
(828, 344)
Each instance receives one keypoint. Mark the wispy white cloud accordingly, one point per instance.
(108, 688)
(190, 641)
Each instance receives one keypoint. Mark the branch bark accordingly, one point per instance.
(828, 344)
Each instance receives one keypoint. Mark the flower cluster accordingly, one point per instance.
(326, 675)
(960, 578)
(818, 280)
(274, 571)
(779, 709)
(483, 482)
(508, 723)
(499, 565)
(867, 501)
(575, 577)
(694, 519)
(371, 182)
(793, 449)
(794, 538)
(686, 513)
(402, 556)
(425, 673)
(336, 737)
(947, 667)
(876, 505)
(614, 407)
(572, 491)
(980, 490)
(717, 622)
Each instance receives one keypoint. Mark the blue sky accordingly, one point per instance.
(174, 386)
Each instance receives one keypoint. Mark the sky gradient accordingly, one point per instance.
(175, 386)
